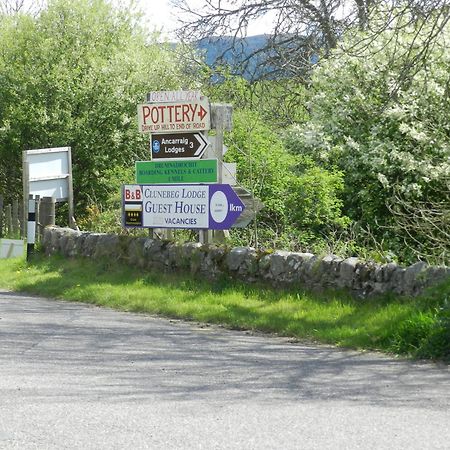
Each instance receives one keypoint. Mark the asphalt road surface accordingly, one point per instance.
(74, 376)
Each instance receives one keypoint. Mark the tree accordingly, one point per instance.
(278, 102)
(20, 6)
(264, 167)
(304, 30)
(301, 201)
(73, 76)
(391, 140)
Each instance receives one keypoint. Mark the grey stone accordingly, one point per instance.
(107, 246)
(264, 264)
(90, 243)
(366, 271)
(387, 271)
(278, 264)
(213, 262)
(294, 262)
(192, 256)
(153, 249)
(329, 265)
(347, 271)
(135, 253)
(242, 260)
(436, 274)
(415, 277)
(79, 244)
(281, 267)
(71, 248)
(397, 281)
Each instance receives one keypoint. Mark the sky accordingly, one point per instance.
(162, 18)
(161, 15)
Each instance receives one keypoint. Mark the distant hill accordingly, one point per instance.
(239, 53)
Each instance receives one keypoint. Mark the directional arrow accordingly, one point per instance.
(178, 145)
(203, 143)
(202, 112)
(224, 207)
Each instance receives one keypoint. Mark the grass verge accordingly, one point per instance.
(418, 327)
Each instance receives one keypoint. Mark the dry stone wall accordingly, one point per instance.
(245, 263)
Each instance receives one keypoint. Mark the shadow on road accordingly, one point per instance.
(91, 352)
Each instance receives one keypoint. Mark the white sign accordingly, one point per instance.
(11, 248)
(49, 172)
(173, 96)
(172, 206)
(229, 173)
(170, 117)
(57, 189)
(214, 206)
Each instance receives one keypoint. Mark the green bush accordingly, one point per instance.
(72, 76)
(263, 166)
(437, 343)
(426, 334)
(301, 200)
(387, 131)
(412, 333)
(314, 204)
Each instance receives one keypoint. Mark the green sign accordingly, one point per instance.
(173, 172)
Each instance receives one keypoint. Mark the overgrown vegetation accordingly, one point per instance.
(389, 137)
(418, 327)
(351, 156)
(72, 76)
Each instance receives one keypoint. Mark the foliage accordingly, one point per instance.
(437, 344)
(73, 76)
(263, 164)
(301, 201)
(390, 139)
(106, 216)
(278, 102)
(332, 317)
(302, 31)
(315, 204)
(426, 334)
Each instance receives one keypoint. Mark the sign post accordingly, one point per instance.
(178, 122)
(48, 173)
(176, 172)
(169, 117)
(178, 145)
(203, 207)
(221, 118)
(31, 226)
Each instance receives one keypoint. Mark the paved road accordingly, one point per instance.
(74, 376)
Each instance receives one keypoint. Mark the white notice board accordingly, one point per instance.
(48, 172)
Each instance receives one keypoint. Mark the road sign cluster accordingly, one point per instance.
(178, 189)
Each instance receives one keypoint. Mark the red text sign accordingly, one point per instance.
(170, 117)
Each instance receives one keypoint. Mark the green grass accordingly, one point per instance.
(417, 327)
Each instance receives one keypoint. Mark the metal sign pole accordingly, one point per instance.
(31, 226)
(221, 120)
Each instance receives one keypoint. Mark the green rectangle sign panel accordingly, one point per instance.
(174, 172)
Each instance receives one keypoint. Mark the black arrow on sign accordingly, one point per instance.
(178, 145)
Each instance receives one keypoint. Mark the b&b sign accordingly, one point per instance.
(214, 206)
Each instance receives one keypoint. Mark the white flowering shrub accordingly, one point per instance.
(388, 130)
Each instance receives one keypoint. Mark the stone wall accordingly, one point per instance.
(245, 263)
